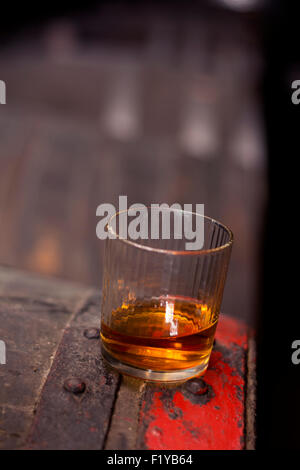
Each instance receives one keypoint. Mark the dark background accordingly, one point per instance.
(279, 326)
(164, 102)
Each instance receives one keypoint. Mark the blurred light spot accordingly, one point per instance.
(46, 255)
(247, 146)
(121, 118)
(121, 122)
(199, 137)
(241, 5)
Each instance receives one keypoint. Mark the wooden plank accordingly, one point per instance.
(34, 313)
(66, 420)
(124, 429)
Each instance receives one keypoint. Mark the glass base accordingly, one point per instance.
(178, 375)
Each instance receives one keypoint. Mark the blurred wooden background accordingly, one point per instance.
(158, 105)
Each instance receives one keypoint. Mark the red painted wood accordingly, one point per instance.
(217, 423)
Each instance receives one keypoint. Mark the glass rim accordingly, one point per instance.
(176, 252)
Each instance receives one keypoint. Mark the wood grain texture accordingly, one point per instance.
(34, 312)
(64, 420)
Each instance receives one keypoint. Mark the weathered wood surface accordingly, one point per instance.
(44, 324)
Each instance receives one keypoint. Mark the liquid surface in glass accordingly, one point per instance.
(161, 334)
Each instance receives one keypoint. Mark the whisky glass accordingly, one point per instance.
(161, 301)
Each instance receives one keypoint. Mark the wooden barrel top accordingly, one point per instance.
(57, 393)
